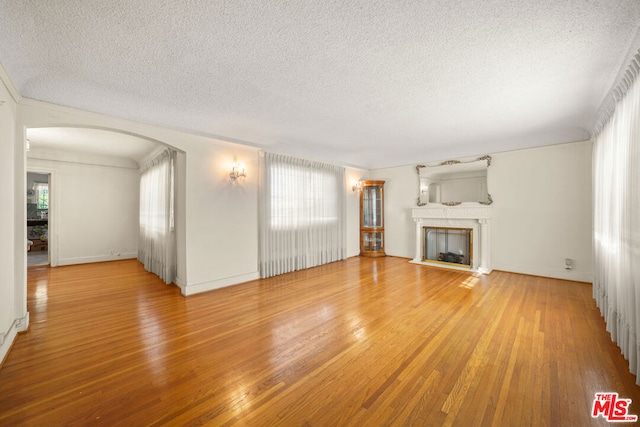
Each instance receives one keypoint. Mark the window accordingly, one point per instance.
(157, 244)
(301, 214)
(302, 197)
(42, 195)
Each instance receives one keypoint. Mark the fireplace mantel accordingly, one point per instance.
(468, 215)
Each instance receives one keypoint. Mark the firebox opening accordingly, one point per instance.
(448, 245)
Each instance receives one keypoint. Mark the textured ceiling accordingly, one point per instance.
(367, 83)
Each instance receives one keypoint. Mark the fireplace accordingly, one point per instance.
(461, 236)
(448, 245)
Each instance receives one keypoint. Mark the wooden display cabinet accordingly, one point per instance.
(372, 219)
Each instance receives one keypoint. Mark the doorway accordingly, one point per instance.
(37, 209)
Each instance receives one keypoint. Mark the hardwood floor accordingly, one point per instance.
(360, 342)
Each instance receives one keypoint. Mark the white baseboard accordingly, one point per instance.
(197, 288)
(8, 337)
(7, 340)
(180, 282)
(575, 275)
(97, 258)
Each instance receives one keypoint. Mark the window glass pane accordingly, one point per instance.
(42, 194)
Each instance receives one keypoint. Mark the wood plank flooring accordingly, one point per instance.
(359, 342)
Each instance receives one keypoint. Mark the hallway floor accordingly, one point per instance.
(37, 258)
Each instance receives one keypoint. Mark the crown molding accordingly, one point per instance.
(11, 88)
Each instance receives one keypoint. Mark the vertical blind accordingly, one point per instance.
(616, 197)
(301, 214)
(157, 244)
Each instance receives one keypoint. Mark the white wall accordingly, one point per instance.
(400, 195)
(352, 176)
(541, 212)
(94, 203)
(13, 315)
(221, 216)
(180, 218)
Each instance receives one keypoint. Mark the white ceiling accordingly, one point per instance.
(369, 83)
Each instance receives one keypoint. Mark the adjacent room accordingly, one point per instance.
(311, 213)
(37, 219)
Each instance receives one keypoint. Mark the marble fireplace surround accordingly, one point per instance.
(466, 215)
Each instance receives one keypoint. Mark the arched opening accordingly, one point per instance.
(93, 205)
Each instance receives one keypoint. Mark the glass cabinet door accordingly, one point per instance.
(372, 219)
(372, 241)
(372, 207)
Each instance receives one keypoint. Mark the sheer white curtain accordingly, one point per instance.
(301, 214)
(616, 196)
(157, 244)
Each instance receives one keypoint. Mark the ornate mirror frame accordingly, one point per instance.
(421, 193)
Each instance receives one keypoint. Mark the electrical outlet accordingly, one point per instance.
(568, 264)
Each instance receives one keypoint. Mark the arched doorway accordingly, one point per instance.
(93, 189)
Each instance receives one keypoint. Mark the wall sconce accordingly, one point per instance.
(237, 171)
(357, 186)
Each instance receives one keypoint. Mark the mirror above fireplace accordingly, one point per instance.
(454, 182)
